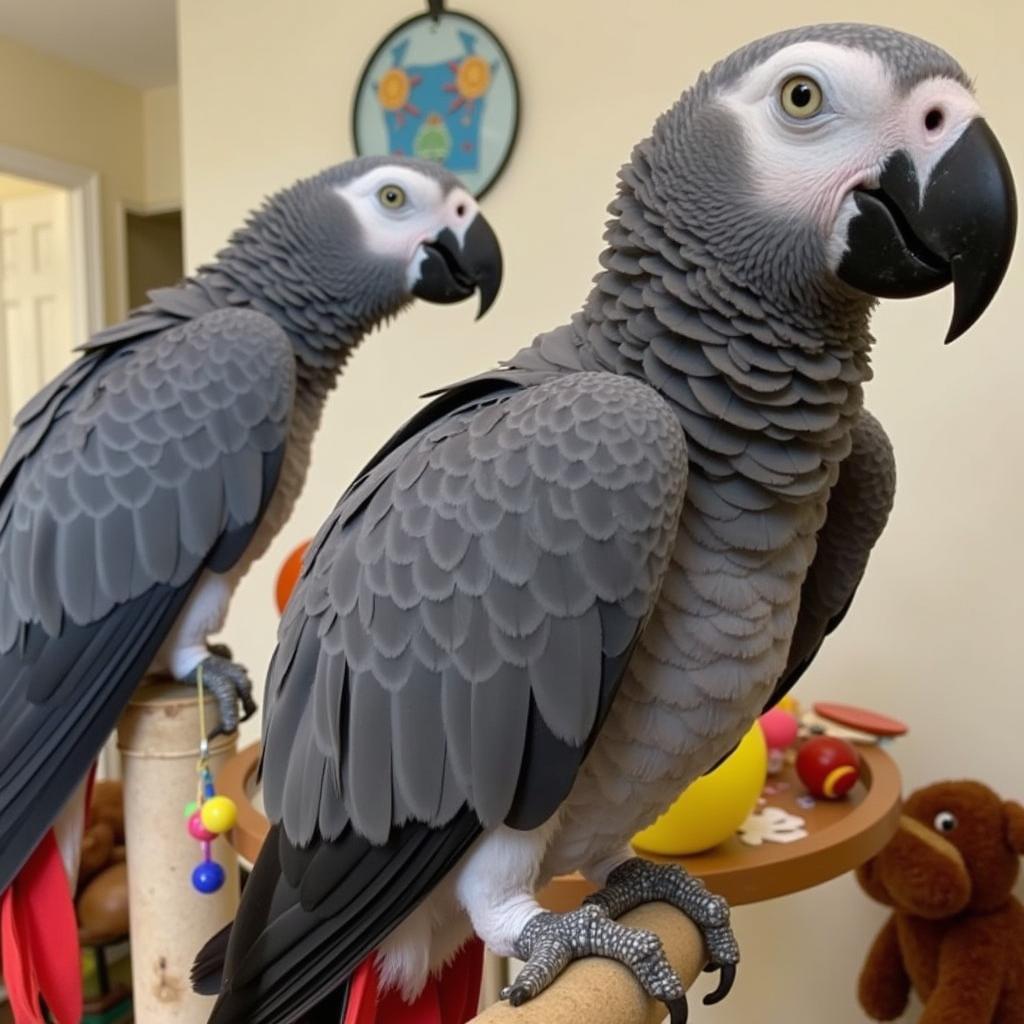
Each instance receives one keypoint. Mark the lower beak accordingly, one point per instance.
(452, 272)
(905, 241)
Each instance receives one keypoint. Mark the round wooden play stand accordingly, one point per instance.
(842, 834)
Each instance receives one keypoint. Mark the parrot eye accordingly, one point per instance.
(392, 197)
(801, 97)
(945, 821)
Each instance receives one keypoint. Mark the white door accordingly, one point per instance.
(36, 334)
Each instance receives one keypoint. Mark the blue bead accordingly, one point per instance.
(208, 876)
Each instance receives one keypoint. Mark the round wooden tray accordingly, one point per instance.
(842, 835)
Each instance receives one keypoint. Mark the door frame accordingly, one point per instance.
(83, 187)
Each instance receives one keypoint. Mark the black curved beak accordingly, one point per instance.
(452, 272)
(961, 230)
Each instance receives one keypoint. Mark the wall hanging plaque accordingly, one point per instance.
(441, 87)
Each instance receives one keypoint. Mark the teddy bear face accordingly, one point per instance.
(957, 848)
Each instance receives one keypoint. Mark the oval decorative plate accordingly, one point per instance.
(440, 87)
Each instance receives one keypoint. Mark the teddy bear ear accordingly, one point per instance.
(1014, 814)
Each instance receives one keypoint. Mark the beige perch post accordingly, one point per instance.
(601, 991)
(158, 737)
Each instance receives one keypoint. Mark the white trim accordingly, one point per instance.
(83, 184)
(87, 258)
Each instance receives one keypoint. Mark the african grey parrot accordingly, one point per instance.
(143, 481)
(566, 588)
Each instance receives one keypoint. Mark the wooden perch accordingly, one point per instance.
(601, 991)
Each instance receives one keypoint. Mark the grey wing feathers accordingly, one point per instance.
(167, 307)
(858, 509)
(154, 461)
(142, 467)
(472, 600)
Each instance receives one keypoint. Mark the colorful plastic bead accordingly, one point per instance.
(208, 876)
(219, 814)
(197, 830)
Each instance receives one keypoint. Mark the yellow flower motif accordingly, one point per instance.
(393, 89)
(473, 77)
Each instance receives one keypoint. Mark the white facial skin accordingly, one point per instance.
(810, 166)
(424, 212)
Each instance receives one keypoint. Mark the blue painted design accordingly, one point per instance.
(425, 113)
(428, 126)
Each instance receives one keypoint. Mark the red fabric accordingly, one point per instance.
(40, 940)
(451, 998)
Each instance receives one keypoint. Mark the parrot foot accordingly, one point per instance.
(638, 881)
(550, 942)
(230, 684)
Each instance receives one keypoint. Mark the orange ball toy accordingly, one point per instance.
(828, 767)
(289, 575)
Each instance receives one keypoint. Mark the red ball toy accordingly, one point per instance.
(828, 767)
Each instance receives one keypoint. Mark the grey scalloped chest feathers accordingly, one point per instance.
(769, 407)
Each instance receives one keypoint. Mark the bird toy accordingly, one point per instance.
(209, 815)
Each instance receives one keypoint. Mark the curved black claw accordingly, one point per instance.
(678, 1010)
(229, 683)
(515, 994)
(725, 982)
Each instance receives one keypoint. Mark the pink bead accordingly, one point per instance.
(780, 728)
(197, 830)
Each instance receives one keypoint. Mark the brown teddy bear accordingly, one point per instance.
(957, 933)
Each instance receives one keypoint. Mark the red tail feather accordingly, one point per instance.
(40, 940)
(451, 998)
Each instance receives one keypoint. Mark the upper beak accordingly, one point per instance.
(906, 241)
(452, 272)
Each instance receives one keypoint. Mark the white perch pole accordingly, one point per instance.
(158, 737)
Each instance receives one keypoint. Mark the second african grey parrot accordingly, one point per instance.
(567, 587)
(143, 481)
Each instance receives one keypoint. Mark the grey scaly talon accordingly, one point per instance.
(229, 683)
(638, 881)
(550, 942)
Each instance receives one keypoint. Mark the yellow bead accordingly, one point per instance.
(219, 814)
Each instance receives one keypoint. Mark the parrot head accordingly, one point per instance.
(378, 231)
(836, 164)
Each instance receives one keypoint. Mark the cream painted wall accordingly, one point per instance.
(934, 635)
(65, 112)
(129, 136)
(161, 141)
